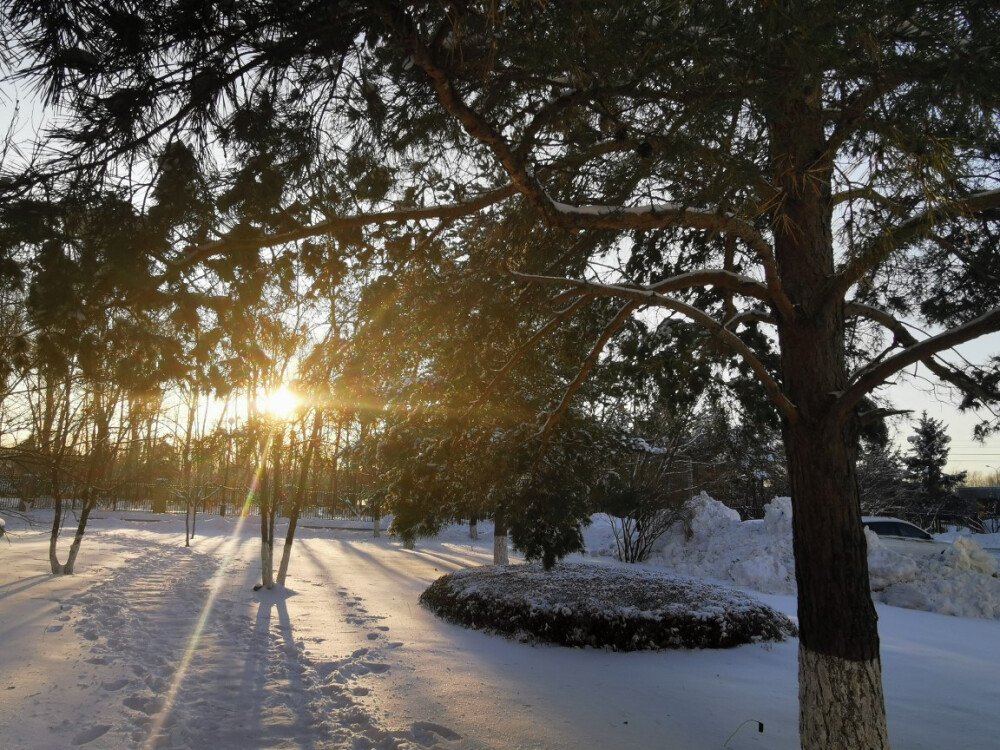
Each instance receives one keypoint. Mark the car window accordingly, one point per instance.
(882, 528)
(912, 532)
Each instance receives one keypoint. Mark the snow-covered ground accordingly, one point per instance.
(152, 644)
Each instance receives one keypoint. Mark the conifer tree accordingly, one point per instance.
(792, 178)
(932, 487)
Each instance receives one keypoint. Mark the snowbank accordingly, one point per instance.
(757, 555)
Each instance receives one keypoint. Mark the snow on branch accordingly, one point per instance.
(651, 293)
(663, 215)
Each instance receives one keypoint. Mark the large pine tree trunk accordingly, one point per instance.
(840, 684)
(841, 702)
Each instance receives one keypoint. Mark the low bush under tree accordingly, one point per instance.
(621, 609)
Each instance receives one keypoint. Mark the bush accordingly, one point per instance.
(602, 606)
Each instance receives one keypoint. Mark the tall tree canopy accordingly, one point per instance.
(787, 182)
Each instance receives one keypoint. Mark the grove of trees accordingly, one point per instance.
(547, 216)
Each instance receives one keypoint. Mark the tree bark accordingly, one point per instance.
(501, 556)
(57, 513)
(840, 687)
(81, 527)
(300, 493)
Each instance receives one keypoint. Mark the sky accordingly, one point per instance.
(940, 402)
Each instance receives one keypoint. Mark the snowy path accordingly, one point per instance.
(152, 645)
(174, 650)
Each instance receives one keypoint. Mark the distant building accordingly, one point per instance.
(980, 494)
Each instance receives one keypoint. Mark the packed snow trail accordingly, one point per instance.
(176, 657)
(347, 658)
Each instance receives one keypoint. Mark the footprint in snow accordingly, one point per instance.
(424, 733)
(90, 734)
(112, 685)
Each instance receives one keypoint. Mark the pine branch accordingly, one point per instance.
(899, 236)
(559, 318)
(727, 280)
(877, 372)
(581, 377)
(201, 253)
(719, 330)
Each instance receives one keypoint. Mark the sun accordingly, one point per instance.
(280, 404)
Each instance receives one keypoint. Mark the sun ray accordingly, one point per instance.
(229, 553)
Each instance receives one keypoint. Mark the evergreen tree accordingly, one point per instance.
(933, 490)
(793, 178)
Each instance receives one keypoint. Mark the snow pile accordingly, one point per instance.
(961, 581)
(714, 543)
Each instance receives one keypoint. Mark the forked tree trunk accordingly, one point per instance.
(841, 703)
(300, 495)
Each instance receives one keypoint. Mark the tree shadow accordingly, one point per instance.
(22, 584)
(273, 681)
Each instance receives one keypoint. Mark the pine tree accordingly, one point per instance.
(793, 178)
(933, 490)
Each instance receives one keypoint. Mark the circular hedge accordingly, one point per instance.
(617, 608)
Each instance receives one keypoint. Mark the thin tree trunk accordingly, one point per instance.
(270, 498)
(300, 493)
(81, 527)
(501, 556)
(57, 515)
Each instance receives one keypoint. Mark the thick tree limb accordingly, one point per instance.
(898, 236)
(642, 293)
(870, 377)
(719, 330)
(515, 162)
(201, 253)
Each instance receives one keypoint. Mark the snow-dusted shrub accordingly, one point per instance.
(622, 609)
